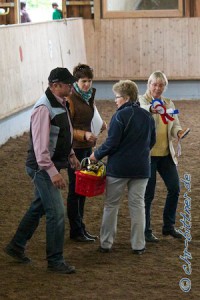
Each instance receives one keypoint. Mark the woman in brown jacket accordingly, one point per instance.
(81, 102)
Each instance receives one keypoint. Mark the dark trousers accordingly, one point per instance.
(75, 202)
(168, 172)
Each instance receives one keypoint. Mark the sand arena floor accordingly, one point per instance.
(117, 275)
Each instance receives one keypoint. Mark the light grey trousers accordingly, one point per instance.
(114, 190)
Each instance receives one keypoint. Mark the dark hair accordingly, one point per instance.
(22, 5)
(82, 70)
(54, 4)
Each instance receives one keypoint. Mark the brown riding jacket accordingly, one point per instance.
(81, 114)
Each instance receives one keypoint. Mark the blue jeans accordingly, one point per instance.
(47, 201)
(75, 202)
(168, 172)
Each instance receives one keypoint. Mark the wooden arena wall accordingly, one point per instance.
(116, 49)
(27, 54)
(134, 48)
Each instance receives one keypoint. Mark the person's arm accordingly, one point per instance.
(182, 133)
(74, 162)
(61, 13)
(144, 103)
(54, 15)
(104, 126)
(176, 124)
(153, 134)
(40, 127)
(78, 134)
(113, 140)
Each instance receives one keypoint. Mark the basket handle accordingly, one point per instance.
(85, 161)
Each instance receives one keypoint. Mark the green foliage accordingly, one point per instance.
(39, 3)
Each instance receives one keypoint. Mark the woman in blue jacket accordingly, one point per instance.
(130, 138)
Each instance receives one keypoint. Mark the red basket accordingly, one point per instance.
(88, 185)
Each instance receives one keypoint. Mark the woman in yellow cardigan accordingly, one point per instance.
(163, 157)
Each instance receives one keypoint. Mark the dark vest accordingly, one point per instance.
(83, 114)
(60, 135)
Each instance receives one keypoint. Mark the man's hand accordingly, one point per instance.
(58, 181)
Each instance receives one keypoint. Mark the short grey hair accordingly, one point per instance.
(126, 88)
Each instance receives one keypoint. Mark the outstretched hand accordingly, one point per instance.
(90, 137)
(92, 157)
(182, 133)
(104, 126)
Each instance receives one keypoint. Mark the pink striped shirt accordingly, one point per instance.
(40, 122)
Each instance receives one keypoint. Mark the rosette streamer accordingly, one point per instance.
(165, 113)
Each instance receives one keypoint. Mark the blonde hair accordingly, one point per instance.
(126, 88)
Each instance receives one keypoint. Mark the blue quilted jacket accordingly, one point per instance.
(131, 136)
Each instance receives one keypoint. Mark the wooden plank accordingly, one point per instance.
(13, 16)
(16, 12)
(128, 44)
(111, 58)
(156, 45)
(172, 47)
(116, 48)
(184, 67)
(79, 9)
(3, 20)
(78, 3)
(196, 8)
(193, 47)
(187, 12)
(8, 4)
(86, 11)
(102, 52)
(134, 47)
(72, 11)
(64, 9)
(97, 14)
(144, 47)
(139, 78)
(91, 46)
(96, 50)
